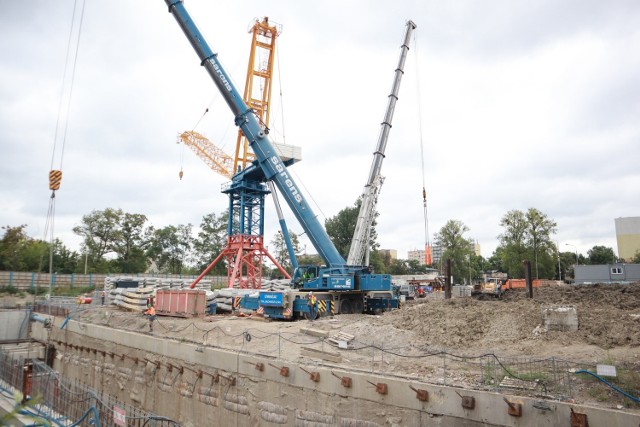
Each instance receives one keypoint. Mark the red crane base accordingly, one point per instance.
(244, 254)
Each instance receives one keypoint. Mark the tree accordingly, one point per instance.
(19, 252)
(513, 242)
(65, 261)
(415, 267)
(477, 265)
(342, 226)
(495, 261)
(455, 247)
(211, 240)
(398, 267)
(600, 255)
(527, 236)
(567, 263)
(100, 230)
(113, 231)
(311, 259)
(636, 258)
(25, 409)
(170, 248)
(540, 228)
(35, 255)
(281, 253)
(130, 243)
(376, 261)
(12, 246)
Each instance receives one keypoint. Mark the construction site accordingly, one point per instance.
(329, 344)
(434, 361)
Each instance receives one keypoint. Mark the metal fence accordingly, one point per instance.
(65, 402)
(550, 377)
(24, 280)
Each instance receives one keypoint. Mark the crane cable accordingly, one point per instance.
(206, 110)
(212, 103)
(55, 175)
(284, 139)
(424, 188)
(284, 136)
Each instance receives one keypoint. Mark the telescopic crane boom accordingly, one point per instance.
(361, 235)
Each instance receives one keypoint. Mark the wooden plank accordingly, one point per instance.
(343, 336)
(515, 383)
(315, 332)
(319, 354)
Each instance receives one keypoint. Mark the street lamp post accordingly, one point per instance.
(576, 249)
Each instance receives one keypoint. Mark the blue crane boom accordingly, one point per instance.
(270, 164)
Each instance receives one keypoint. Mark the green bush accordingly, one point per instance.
(37, 291)
(72, 292)
(11, 290)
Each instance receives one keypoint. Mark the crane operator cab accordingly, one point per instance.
(305, 274)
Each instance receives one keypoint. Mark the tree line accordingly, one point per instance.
(114, 241)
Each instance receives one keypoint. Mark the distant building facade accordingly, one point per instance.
(475, 248)
(391, 253)
(628, 237)
(416, 255)
(436, 255)
(607, 273)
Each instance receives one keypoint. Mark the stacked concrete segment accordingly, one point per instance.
(136, 298)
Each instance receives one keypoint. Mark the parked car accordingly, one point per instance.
(409, 291)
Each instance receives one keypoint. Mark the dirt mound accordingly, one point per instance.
(608, 315)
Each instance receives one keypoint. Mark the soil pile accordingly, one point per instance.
(608, 315)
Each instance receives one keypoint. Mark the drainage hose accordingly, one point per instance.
(582, 371)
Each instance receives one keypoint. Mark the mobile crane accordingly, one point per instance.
(362, 233)
(339, 287)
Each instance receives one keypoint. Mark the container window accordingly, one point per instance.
(616, 270)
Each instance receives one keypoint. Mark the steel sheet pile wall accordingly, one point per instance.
(64, 401)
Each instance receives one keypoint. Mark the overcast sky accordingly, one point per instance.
(518, 104)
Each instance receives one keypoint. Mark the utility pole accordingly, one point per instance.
(559, 269)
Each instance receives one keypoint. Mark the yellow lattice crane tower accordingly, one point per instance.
(244, 252)
(257, 88)
(257, 95)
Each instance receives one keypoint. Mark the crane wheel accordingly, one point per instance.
(345, 306)
(358, 306)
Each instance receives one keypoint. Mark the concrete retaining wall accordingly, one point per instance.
(199, 385)
(14, 324)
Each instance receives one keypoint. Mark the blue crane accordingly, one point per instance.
(342, 288)
(269, 162)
